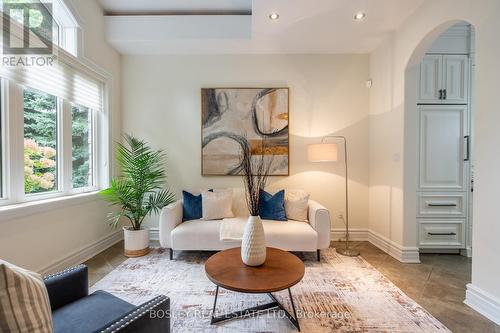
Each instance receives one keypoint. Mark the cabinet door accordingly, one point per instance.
(431, 76)
(455, 79)
(442, 130)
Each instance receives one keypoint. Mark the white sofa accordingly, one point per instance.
(201, 235)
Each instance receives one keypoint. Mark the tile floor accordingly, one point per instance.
(437, 284)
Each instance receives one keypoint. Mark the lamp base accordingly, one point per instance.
(348, 252)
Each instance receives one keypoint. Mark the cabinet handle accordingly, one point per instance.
(441, 234)
(467, 148)
(442, 205)
(440, 93)
(444, 93)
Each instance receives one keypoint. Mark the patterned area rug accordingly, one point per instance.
(338, 294)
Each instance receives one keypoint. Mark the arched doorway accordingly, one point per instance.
(425, 205)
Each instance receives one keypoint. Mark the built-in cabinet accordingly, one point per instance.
(443, 179)
(444, 79)
(444, 147)
(443, 185)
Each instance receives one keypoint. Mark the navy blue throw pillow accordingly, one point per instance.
(191, 206)
(272, 207)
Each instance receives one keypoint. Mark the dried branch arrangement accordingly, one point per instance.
(255, 172)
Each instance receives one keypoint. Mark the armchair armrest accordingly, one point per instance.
(67, 286)
(150, 317)
(319, 218)
(170, 217)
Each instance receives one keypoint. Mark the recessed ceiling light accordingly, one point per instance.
(274, 16)
(359, 16)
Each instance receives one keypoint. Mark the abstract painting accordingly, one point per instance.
(237, 117)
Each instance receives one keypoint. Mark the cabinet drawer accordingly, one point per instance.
(442, 205)
(437, 234)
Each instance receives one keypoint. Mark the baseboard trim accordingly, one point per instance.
(83, 254)
(483, 302)
(467, 252)
(407, 255)
(356, 234)
(154, 234)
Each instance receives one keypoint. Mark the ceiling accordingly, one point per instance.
(176, 7)
(243, 26)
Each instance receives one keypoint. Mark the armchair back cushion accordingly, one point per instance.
(67, 286)
(24, 302)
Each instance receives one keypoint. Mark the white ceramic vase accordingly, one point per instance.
(253, 245)
(136, 241)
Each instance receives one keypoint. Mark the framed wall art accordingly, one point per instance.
(232, 117)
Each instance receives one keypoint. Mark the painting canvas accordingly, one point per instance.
(232, 117)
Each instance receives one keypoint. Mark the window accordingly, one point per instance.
(82, 146)
(40, 142)
(65, 27)
(64, 24)
(53, 124)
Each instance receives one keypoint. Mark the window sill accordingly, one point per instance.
(16, 211)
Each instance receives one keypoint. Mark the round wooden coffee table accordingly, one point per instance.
(281, 271)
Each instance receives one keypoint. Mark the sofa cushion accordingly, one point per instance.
(205, 236)
(199, 235)
(290, 235)
(90, 313)
(272, 207)
(24, 302)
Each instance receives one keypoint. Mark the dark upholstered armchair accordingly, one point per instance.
(74, 310)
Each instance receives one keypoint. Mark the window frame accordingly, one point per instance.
(67, 26)
(14, 203)
(3, 108)
(59, 143)
(94, 153)
(13, 134)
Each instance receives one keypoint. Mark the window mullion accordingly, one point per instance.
(15, 125)
(66, 147)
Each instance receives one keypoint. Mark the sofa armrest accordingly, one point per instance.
(67, 286)
(150, 317)
(319, 218)
(170, 217)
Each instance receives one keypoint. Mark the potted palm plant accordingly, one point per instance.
(139, 192)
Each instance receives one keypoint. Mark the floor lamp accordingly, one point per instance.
(328, 152)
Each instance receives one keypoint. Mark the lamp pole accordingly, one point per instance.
(346, 251)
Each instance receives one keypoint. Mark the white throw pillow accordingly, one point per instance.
(217, 205)
(296, 205)
(24, 301)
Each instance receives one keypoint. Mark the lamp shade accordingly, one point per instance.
(322, 152)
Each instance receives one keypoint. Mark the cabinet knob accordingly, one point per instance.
(440, 93)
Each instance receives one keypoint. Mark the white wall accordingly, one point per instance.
(388, 103)
(161, 103)
(45, 240)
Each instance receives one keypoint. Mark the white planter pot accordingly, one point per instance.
(136, 241)
(253, 245)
